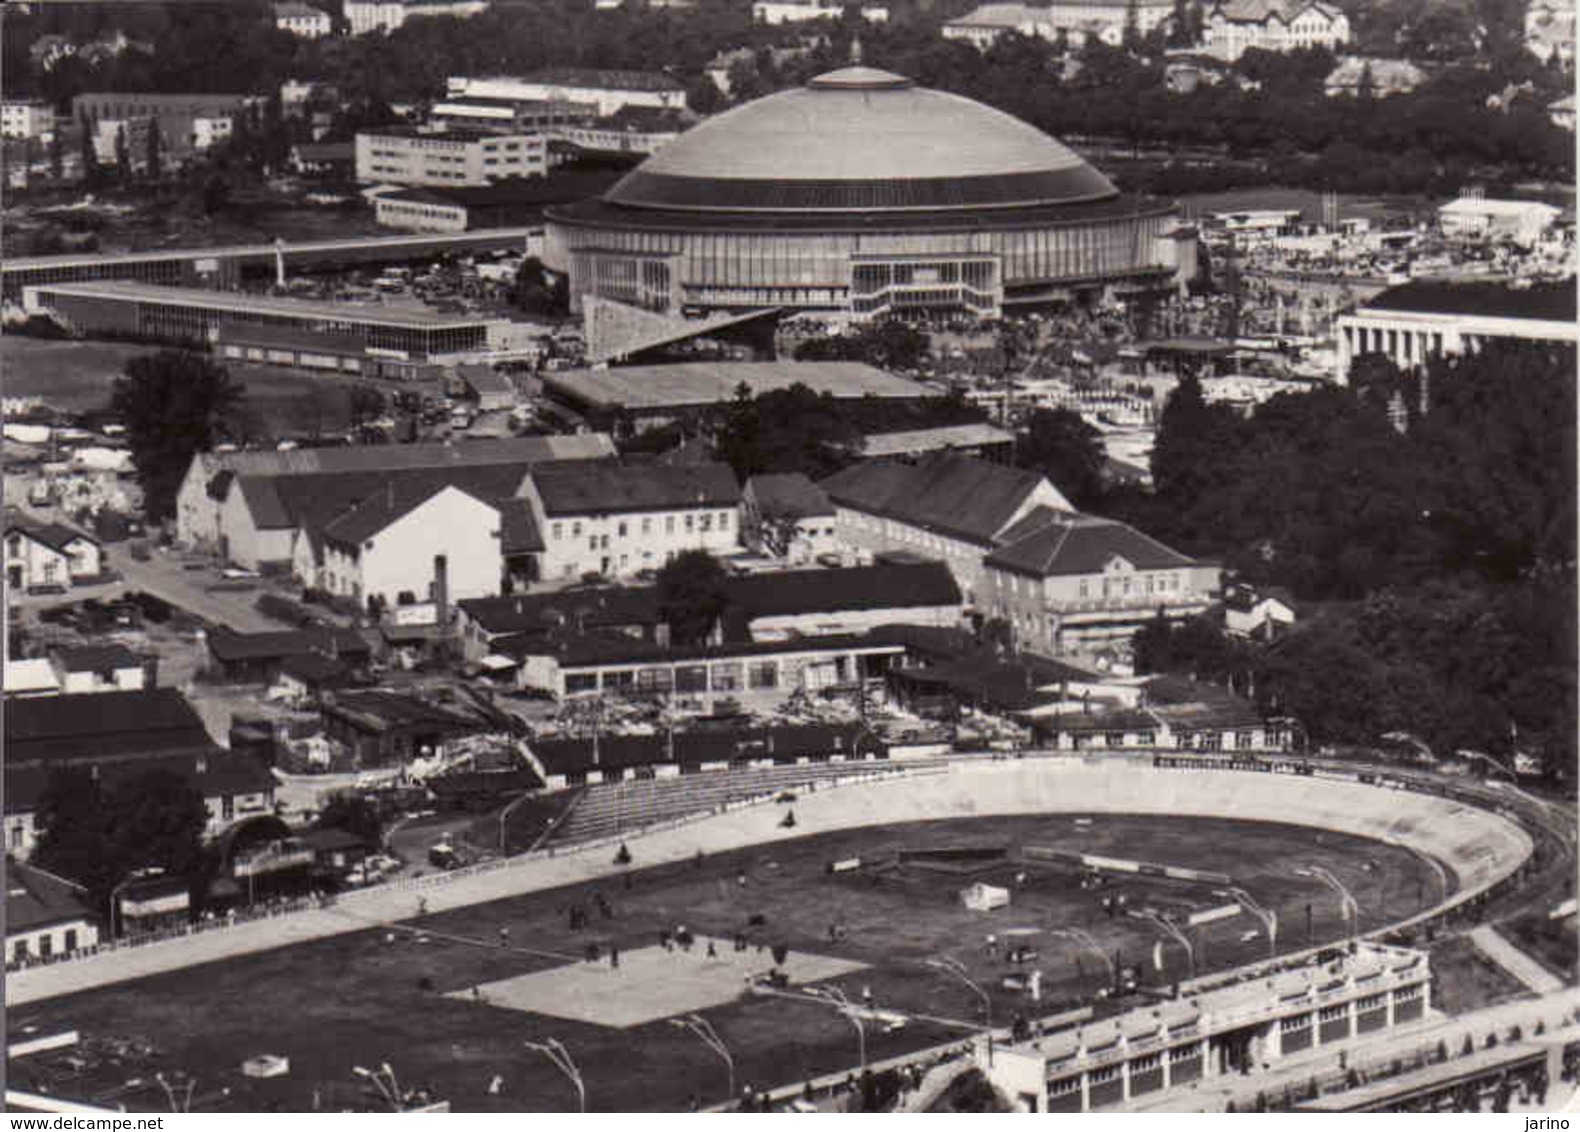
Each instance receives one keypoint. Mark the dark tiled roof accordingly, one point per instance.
(377, 512)
(518, 529)
(36, 899)
(556, 188)
(226, 645)
(1003, 687)
(1550, 301)
(56, 536)
(954, 495)
(315, 669)
(317, 500)
(98, 658)
(98, 724)
(590, 488)
(1050, 543)
(616, 648)
(540, 613)
(789, 495)
(884, 586)
(233, 774)
(561, 756)
(329, 840)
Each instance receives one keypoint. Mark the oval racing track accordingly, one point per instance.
(1479, 847)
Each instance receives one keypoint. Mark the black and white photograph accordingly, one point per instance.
(789, 556)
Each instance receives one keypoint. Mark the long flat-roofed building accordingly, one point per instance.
(1411, 323)
(1219, 1030)
(862, 193)
(189, 314)
(655, 394)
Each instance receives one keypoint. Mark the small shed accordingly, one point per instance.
(981, 897)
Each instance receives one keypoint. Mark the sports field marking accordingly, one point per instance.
(650, 983)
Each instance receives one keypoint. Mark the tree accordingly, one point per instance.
(155, 161)
(367, 403)
(74, 838)
(540, 291)
(216, 195)
(123, 155)
(692, 596)
(354, 814)
(1059, 444)
(172, 404)
(157, 820)
(738, 439)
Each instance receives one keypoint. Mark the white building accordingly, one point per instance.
(27, 118)
(616, 521)
(386, 15)
(1520, 221)
(791, 12)
(788, 516)
(608, 91)
(1411, 323)
(1233, 27)
(1550, 30)
(1078, 20)
(49, 554)
(401, 157)
(1384, 77)
(302, 20)
(46, 916)
(99, 668)
(209, 132)
(423, 542)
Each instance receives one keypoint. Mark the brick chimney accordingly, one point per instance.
(441, 590)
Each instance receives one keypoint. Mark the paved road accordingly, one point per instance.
(1492, 944)
(162, 575)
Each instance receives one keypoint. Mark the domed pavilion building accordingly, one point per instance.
(864, 193)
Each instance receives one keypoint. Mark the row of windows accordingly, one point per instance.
(690, 523)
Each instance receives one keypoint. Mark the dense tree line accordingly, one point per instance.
(1434, 567)
(1434, 138)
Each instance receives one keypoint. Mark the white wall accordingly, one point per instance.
(83, 933)
(40, 565)
(452, 523)
(121, 680)
(621, 544)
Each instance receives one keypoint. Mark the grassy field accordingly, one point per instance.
(382, 996)
(76, 376)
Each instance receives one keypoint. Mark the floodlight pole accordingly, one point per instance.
(844, 1006)
(952, 966)
(1085, 939)
(555, 1051)
(1268, 917)
(1348, 906)
(1178, 936)
(704, 1030)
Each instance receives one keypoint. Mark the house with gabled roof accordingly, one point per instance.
(49, 554)
(1233, 27)
(788, 516)
(617, 520)
(944, 506)
(418, 539)
(46, 916)
(1069, 582)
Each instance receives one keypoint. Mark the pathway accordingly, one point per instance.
(1492, 944)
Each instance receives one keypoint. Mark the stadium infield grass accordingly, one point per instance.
(401, 997)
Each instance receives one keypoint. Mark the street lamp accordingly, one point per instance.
(704, 1030)
(1178, 936)
(1348, 907)
(836, 998)
(1085, 939)
(555, 1051)
(384, 1080)
(1268, 917)
(185, 1103)
(952, 966)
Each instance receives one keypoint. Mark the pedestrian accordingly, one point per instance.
(740, 879)
(614, 956)
(422, 905)
(504, 937)
(866, 996)
(712, 954)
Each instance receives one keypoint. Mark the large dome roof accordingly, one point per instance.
(864, 140)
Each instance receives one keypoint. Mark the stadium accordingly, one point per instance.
(865, 194)
(852, 912)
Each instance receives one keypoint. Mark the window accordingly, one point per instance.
(227, 808)
(576, 530)
(592, 543)
(621, 531)
(559, 530)
(15, 545)
(1084, 593)
(647, 526)
(16, 836)
(580, 682)
(690, 523)
(669, 524)
(724, 520)
(71, 939)
(705, 523)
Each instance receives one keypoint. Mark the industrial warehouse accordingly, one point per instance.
(864, 193)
